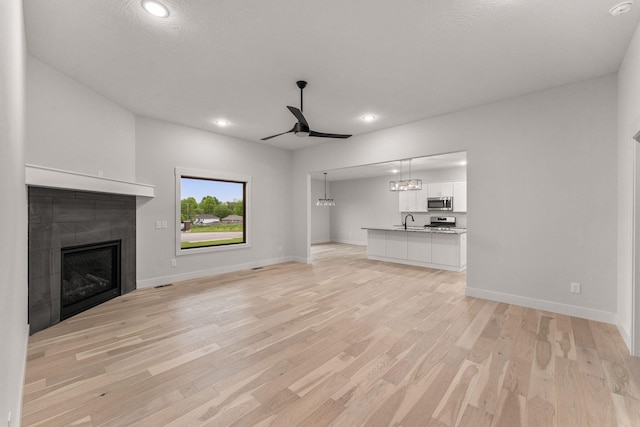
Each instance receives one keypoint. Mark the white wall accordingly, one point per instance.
(550, 158)
(73, 128)
(13, 212)
(163, 146)
(320, 215)
(367, 202)
(628, 126)
(361, 203)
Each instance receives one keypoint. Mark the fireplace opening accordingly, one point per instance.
(90, 276)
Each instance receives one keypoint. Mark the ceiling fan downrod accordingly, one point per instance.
(301, 84)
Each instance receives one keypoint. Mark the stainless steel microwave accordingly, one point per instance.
(440, 203)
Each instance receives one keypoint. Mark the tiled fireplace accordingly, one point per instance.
(81, 252)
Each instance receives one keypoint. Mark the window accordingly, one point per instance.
(212, 210)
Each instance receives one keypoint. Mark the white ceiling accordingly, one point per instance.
(402, 61)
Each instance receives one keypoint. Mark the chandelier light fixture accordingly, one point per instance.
(325, 201)
(405, 184)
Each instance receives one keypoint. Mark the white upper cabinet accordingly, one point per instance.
(412, 201)
(421, 200)
(440, 189)
(407, 201)
(416, 200)
(460, 196)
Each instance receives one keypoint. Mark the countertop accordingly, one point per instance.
(416, 229)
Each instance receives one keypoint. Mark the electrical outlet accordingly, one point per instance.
(173, 263)
(575, 288)
(164, 224)
(158, 224)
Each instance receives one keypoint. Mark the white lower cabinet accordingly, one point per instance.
(419, 247)
(397, 244)
(377, 243)
(446, 251)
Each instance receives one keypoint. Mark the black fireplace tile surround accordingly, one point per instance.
(62, 218)
(73, 210)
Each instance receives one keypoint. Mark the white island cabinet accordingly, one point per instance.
(445, 250)
(396, 245)
(419, 247)
(377, 243)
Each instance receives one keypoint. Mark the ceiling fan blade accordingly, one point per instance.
(298, 115)
(328, 135)
(273, 136)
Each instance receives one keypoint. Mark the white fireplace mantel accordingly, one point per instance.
(42, 176)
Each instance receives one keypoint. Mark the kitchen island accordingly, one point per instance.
(419, 246)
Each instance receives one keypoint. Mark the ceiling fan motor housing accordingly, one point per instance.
(300, 129)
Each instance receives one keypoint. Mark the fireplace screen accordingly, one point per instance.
(90, 276)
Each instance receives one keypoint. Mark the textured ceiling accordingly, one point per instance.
(402, 61)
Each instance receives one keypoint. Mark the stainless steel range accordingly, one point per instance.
(441, 222)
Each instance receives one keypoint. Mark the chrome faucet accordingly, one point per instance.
(405, 220)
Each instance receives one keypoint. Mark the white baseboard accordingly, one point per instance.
(319, 242)
(350, 242)
(625, 334)
(554, 307)
(416, 263)
(163, 280)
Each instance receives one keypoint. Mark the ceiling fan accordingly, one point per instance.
(302, 127)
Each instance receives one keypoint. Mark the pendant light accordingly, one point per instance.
(405, 184)
(325, 201)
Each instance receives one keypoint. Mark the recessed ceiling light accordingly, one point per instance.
(621, 8)
(222, 122)
(368, 117)
(155, 8)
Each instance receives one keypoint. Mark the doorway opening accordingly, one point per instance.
(363, 197)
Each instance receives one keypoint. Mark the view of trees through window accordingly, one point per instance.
(212, 212)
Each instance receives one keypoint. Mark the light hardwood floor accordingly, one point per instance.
(345, 342)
